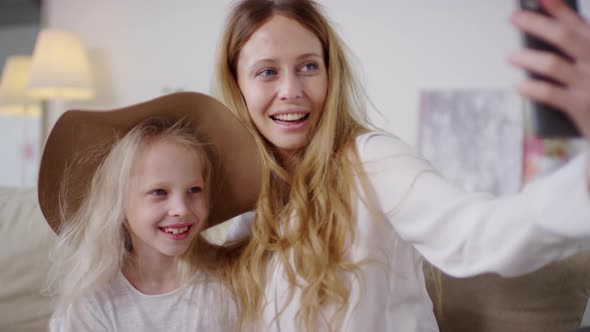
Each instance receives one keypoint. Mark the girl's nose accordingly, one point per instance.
(178, 207)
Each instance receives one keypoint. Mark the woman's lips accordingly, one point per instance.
(293, 120)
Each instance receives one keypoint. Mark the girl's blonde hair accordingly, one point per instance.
(312, 246)
(93, 242)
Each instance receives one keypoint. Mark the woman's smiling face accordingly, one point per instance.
(284, 81)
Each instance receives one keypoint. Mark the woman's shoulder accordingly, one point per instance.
(233, 230)
(379, 145)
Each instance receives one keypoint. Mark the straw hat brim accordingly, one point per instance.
(79, 131)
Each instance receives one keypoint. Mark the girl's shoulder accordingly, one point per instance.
(89, 312)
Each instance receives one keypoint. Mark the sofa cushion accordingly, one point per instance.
(25, 241)
(551, 299)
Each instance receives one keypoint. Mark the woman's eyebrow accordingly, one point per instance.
(308, 55)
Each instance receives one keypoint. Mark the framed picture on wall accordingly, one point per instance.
(481, 140)
(474, 137)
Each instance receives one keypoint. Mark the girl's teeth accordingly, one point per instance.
(290, 116)
(175, 230)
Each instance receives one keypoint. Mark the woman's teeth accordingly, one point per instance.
(289, 116)
(175, 230)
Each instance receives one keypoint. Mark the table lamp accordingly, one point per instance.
(14, 98)
(60, 69)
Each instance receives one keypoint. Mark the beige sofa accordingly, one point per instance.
(24, 244)
(552, 299)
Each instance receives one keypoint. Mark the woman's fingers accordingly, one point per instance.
(575, 102)
(545, 64)
(562, 12)
(544, 92)
(564, 33)
(570, 33)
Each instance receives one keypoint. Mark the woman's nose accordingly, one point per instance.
(291, 87)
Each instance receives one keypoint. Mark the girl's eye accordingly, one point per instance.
(309, 67)
(266, 73)
(195, 190)
(159, 192)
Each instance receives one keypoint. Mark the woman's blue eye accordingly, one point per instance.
(159, 192)
(309, 66)
(195, 190)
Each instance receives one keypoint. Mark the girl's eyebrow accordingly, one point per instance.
(153, 185)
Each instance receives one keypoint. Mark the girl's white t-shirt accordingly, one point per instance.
(204, 305)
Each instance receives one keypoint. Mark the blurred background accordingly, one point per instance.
(138, 49)
(436, 73)
(109, 53)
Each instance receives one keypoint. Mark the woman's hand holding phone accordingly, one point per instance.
(558, 60)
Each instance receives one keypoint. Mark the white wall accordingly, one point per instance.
(404, 46)
(142, 48)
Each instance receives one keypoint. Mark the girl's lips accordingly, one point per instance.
(176, 231)
(178, 225)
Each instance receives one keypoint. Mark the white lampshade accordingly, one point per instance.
(60, 67)
(13, 83)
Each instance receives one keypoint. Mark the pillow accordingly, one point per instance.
(25, 240)
(551, 299)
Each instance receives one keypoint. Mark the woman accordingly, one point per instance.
(346, 213)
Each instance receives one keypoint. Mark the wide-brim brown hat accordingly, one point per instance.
(78, 131)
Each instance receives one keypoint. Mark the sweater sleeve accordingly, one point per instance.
(466, 234)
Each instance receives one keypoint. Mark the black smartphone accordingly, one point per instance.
(547, 121)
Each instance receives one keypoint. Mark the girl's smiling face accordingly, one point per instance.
(165, 202)
(283, 78)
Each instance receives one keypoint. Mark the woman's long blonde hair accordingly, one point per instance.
(93, 242)
(312, 246)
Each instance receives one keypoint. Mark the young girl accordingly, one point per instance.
(346, 213)
(137, 186)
